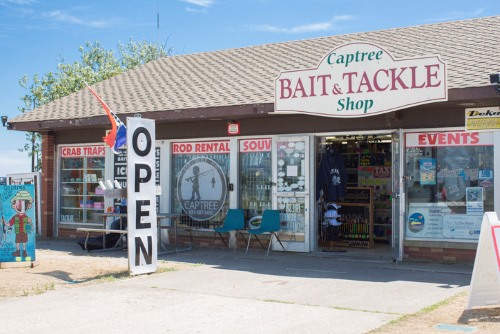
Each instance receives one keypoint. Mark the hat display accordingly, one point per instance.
(331, 215)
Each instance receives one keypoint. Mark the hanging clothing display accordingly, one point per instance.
(332, 177)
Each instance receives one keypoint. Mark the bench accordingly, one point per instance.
(103, 231)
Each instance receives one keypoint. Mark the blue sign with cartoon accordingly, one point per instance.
(17, 223)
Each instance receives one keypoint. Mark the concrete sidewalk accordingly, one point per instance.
(244, 293)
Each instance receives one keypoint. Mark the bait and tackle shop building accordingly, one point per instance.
(397, 128)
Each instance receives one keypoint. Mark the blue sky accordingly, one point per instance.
(35, 34)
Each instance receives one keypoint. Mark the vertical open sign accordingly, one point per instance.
(141, 202)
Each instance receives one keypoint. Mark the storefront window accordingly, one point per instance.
(200, 182)
(255, 176)
(82, 167)
(449, 184)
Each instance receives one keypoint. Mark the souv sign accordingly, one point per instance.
(361, 79)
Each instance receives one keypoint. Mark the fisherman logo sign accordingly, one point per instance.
(201, 188)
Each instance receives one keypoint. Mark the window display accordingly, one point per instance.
(82, 167)
(200, 182)
(449, 180)
(255, 176)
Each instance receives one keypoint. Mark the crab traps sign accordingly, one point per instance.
(361, 79)
(17, 223)
(141, 192)
(485, 282)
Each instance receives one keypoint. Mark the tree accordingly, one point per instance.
(96, 64)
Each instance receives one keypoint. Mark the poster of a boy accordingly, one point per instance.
(20, 224)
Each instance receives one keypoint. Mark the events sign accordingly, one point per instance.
(482, 118)
(361, 79)
(17, 223)
(448, 138)
(141, 190)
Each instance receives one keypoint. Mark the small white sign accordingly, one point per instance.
(474, 201)
(141, 192)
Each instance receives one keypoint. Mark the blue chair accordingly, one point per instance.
(234, 221)
(270, 224)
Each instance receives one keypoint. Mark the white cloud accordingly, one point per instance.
(18, 2)
(60, 16)
(312, 27)
(201, 3)
(456, 15)
(196, 10)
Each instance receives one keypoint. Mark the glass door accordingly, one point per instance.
(397, 197)
(291, 191)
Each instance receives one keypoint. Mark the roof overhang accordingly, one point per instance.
(457, 98)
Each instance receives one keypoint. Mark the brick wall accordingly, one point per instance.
(47, 183)
(440, 255)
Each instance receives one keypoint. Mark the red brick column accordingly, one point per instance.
(48, 172)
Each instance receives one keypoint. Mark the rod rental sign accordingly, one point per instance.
(361, 79)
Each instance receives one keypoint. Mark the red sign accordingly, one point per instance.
(83, 151)
(255, 145)
(201, 147)
(448, 138)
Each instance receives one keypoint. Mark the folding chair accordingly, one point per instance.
(234, 221)
(270, 224)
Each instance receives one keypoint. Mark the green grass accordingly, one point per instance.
(165, 269)
(39, 289)
(422, 312)
(277, 301)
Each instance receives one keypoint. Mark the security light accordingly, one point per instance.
(495, 81)
(495, 78)
(4, 120)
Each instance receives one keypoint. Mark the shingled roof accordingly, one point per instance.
(245, 76)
